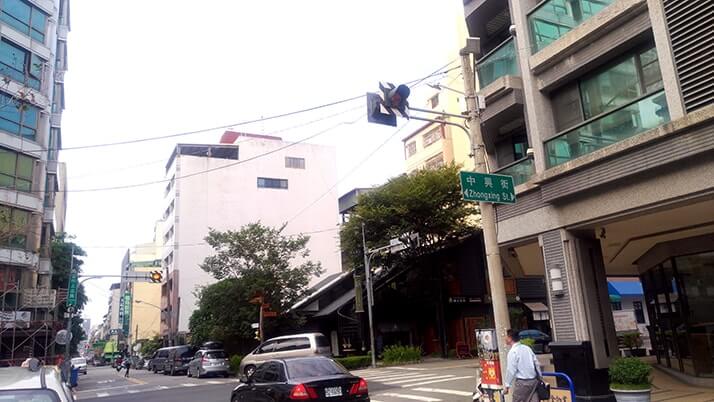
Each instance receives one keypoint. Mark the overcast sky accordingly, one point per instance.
(145, 68)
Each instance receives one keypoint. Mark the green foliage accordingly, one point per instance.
(530, 342)
(427, 203)
(630, 373)
(61, 257)
(149, 346)
(255, 259)
(632, 340)
(355, 362)
(234, 363)
(396, 354)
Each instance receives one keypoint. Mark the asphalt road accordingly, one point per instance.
(436, 381)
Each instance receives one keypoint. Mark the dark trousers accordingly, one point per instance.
(524, 390)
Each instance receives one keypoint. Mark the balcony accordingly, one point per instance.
(552, 19)
(500, 62)
(609, 128)
(521, 170)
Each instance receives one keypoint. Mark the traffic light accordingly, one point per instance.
(396, 97)
(380, 107)
(155, 276)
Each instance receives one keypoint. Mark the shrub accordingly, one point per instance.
(629, 373)
(632, 340)
(401, 354)
(530, 342)
(234, 363)
(355, 362)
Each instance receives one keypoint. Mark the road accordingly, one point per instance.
(448, 381)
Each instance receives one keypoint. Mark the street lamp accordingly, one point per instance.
(148, 304)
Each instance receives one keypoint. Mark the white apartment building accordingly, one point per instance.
(227, 185)
(33, 60)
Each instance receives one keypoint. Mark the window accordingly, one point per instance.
(294, 163)
(219, 354)
(616, 306)
(432, 136)
(224, 152)
(410, 148)
(286, 345)
(15, 223)
(266, 347)
(302, 368)
(20, 65)
(639, 312)
(24, 17)
(18, 118)
(434, 101)
(15, 170)
(434, 162)
(269, 372)
(264, 182)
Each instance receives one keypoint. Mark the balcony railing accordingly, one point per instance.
(631, 119)
(521, 170)
(499, 62)
(552, 19)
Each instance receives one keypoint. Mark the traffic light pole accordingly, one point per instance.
(488, 221)
(69, 315)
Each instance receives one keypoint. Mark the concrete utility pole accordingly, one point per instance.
(488, 221)
(69, 314)
(368, 285)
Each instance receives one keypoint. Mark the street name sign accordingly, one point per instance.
(72, 289)
(487, 187)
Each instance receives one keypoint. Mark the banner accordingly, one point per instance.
(15, 319)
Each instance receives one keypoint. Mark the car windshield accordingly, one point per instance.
(218, 354)
(302, 368)
(29, 395)
(79, 360)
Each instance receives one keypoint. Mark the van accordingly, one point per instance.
(178, 359)
(299, 345)
(158, 360)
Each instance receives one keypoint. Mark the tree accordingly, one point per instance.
(256, 259)
(424, 209)
(149, 346)
(62, 257)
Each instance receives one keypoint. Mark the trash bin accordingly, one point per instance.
(575, 358)
(73, 377)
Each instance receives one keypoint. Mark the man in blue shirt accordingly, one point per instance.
(523, 370)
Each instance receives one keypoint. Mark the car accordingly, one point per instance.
(178, 359)
(34, 383)
(208, 362)
(80, 363)
(158, 360)
(300, 345)
(316, 378)
(541, 339)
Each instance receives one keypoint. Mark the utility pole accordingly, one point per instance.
(368, 285)
(69, 314)
(488, 221)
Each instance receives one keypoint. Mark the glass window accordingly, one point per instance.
(616, 306)
(498, 63)
(219, 354)
(410, 148)
(18, 118)
(434, 162)
(266, 347)
(286, 345)
(294, 163)
(639, 312)
(432, 136)
(610, 89)
(15, 170)
(25, 18)
(264, 182)
(302, 368)
(554, 18)
(20, 65)
(322, 341)
(14, 223)
(34, 395)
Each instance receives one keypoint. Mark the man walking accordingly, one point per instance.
(523, 370)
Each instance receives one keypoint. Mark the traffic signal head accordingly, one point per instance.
(155, 276)
(397, 99)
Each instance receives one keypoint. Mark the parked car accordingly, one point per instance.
(33, 384)
(80, 363)
(315, 378)
(178, 359)
(541, 339)
(208, 362)
(158, 360)
(300, 345)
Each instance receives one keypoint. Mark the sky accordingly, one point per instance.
(140, 69)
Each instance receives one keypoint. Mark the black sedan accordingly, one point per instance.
(302, 378)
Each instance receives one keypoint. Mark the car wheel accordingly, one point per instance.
(188, 373)
(225, 375)
(249, 370)
(198, 372)
(155, 370)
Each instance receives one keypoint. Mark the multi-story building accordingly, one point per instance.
(144, 311)
(603, 111)
(33, 60)
(228, 185)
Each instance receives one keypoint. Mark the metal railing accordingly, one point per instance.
(521, 170)
(499, 62)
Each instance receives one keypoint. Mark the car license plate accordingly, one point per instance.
(333, 391)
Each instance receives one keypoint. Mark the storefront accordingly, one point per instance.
(679, 290)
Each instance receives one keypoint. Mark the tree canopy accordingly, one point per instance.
(61, 257)
(256, 259)
(424, 209)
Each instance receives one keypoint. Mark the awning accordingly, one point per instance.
(536, 307)
(613, 293)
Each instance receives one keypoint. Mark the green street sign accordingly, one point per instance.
(72, 289)
(486, 187)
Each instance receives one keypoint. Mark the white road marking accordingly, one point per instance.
(215, 382)
(189, 385)
(409, 368)
(432, 377)
(394, 377)
(435, 381)
(412, 397)
(163, 387)
(444, 391)
(133, 391)
(102, 394)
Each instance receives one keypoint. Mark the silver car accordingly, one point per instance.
(208, 362)
(300, 345)
(80, 363)
(42, 384)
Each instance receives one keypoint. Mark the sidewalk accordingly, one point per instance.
(668, 388)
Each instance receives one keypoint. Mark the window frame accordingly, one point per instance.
(427, 137)
(16, 176)
(265, 182)
(15, 240)
(27, 72)
(435, 162)
(410, 149)
(294, 162)
(7, 100)
(30, 31)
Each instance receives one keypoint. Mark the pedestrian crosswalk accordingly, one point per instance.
(144, 387)
(394, 384)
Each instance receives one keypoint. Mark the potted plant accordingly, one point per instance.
(630, 380)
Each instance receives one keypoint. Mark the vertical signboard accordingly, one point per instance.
(126, 317)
